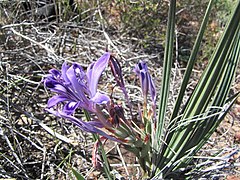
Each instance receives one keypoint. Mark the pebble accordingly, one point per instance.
(23, 120)
(237, 137)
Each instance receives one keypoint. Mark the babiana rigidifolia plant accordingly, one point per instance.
(163, 147)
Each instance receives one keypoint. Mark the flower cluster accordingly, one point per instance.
(76, 89)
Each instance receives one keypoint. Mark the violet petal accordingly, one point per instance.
(87, 126)
(70, 107)
(77, 88)
(64, 69)
(55, 86)
(95, 70)
(55, 73)
(100, 98)
(55, 100)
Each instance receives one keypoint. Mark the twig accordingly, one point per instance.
(43, 163)
(31, 142)
(123, 161)
(51, 51)
(22, 78)
(16, 25)
(55, 134)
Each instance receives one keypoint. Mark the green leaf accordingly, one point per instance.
(77, 174)
(191, 61)
(168, 58)
(106, 166)
(164, 93)
(206, 107)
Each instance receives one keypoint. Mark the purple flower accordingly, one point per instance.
(117, 73)
(146, 81)
(94, 72)
(75, 88)
(91, 126)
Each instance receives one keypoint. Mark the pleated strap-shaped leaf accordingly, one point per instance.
(206, 107)
(164, 93)
(192, 60)
(168, 56)
(204, 129)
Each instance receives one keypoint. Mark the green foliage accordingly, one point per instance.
(140, 18)
(77, 174)
(222, 10)
(219, 17)
(190, 127)
(106, 166)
